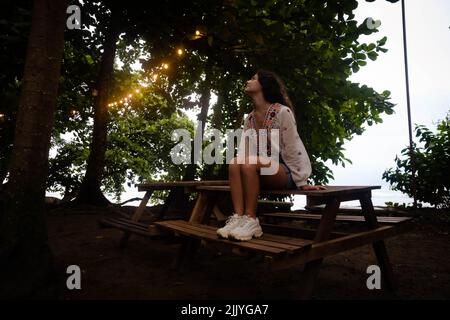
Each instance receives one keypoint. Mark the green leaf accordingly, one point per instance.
(89, 59)
(355, 67)
(372, 55)
(382, 41)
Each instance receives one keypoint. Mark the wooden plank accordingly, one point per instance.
(117, 221)
(147, 232)
(137, 215)
(330, 191)
(204, 235)
(272, 237)
(350, 218)
(382, 211)
(199, 209)
(296, 232)
(163, 185)
(266, 240)
(378, 246)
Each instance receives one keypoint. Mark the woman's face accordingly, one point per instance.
(253, 86)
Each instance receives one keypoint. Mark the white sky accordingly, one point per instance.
(428, 41)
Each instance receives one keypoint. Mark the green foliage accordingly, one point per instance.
(312, 45)
(432, 162)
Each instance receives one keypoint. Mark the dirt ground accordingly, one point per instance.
(420, 258)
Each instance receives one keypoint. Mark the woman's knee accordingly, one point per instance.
(234, 167)
(249, 168)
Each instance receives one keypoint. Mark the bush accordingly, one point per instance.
(432, 162)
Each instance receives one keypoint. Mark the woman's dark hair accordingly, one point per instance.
(273, 88)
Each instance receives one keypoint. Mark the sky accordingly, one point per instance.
(428, 44)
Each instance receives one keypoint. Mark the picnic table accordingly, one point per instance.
(307, 249)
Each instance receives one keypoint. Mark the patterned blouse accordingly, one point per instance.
(290, 148)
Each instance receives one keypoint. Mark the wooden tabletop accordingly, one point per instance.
(331, 190)
(161, 185)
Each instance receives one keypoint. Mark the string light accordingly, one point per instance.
(2, 116)
(197, 33)
(165, 66)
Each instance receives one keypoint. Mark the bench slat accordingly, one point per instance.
(307, 216)
(208, 233)
(267, 240)
(114, 222)
(136, 229)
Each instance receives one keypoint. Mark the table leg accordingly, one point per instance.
(165, 206)
(136, 217)
(200, 208)
(378, 246)
(138, 213)
(311, 270)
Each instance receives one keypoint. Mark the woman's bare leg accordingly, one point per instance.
(251, 179)
(236, 190)
(250, 183)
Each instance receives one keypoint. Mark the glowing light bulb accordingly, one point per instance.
(130, 95)
(180, 52)
(137, 91)
(165, 66)
(197, 33)
(155, 76)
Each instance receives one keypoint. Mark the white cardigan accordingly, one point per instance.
(291, 148)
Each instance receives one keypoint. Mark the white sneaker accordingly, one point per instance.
(232, 222)
(248, 228)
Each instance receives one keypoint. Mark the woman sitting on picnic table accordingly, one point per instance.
(284, 164)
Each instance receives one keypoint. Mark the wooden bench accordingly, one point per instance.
(133, 225)
(308, 251)
(342, 218)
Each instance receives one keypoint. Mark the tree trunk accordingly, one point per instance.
(25, 257)
(180, 199)
(204, 107)
(90, 192)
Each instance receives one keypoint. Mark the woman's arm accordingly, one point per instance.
(292, 149)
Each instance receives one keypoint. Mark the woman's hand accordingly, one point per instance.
(309, 188)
